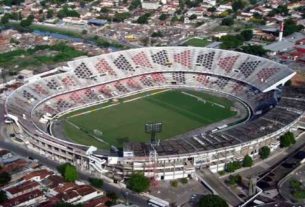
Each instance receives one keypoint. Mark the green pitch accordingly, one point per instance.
(179, 111)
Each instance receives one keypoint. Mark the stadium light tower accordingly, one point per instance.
(153, 128)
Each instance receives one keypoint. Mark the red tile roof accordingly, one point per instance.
(28, 185)
(22, 198)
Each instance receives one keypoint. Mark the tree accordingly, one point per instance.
(138, 183)
(212, 201)
(247, 35)
(291, 27)
(247, 161)
(120, 17)
(264, 152)
(232, 166)
(238, 5)
(163, 17)
(112, 196)
(27, 22)
(50, 13)
(287, 139)
(143, 19)
(253, 50)
(5, 18)
(227, 21)
(5, 178)
(96, 182)
(68, 171)
(3, 196)
(134, 4)
(230, 41)
(234, 179)
(193, 16)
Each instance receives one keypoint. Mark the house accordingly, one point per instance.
(26, 199)
(22, 188)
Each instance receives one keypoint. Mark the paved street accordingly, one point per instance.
(215, 183)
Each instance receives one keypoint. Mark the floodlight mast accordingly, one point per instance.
(153, 128)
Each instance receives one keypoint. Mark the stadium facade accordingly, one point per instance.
(256, 82)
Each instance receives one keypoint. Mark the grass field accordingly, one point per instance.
(197, 42)
(179, 111)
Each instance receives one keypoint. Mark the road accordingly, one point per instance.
(123, 193)
(217, 185)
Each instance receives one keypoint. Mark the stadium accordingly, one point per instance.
(215, 106)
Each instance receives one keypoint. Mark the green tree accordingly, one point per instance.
(212, 201)
(232, 166)
(234, 179)
(247, 35)
(287, 139)
(227, 21)
(68, 171)
(120, 17)
(112, 195)
(135, 4)
(193, 16)
(174, 183)
(138, 183)
(50, 13)
(3, 196)
(5, 19)
(257, 50)
(264, 152)
(238, 5)
(5, 178)
(27, 22)
(291, 27)
(230, 42)
(96, 182)
(163, 17)
(247, 161)
(143, 19)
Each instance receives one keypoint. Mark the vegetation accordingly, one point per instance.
(212, 201)
(3, 196)
(67, 12)
(247, 35)
(5, 178)
(121, 16)
(96, 182)
(264, 152)
(247, 161)
(234, 179)
(297, 189)
(33, 56)
(138, 183)
(134, 4)
(143, 19)
(180, 113)
(253, 50)
(238, 5)
(27, 22)
(68, 171)
(183, 180)
(230, 41)
(197, 42)
(290, 27)
(174, 183)
(163, 17)
(227, 21)
(232, 166)
(287, 139)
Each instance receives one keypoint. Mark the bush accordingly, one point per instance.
(183, 180)
(212, 201)
(247, 35)
(68, 171)
(232, 166)
(287, 139)
(174, 183)
(264, 152)
(96, 182)
(227, 21)
(247, 161)
(234, 179)
(4, 178)
(138, 183)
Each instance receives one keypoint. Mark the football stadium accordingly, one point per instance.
(164, 111)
